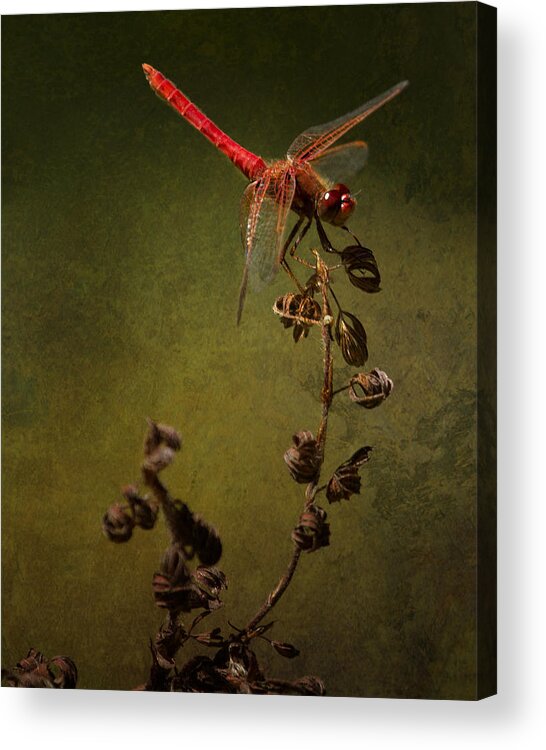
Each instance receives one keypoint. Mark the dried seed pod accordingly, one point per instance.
(312, 532)
(309, 686)
(64, 671)
(346, 480)
(212, 638)
(161, 434)
(212, 578)
(361, 268)
(200, 675)
(369, 389)
(117, 523)
(172, 585)
(31, 661)
(169, 595)
(351, 338)
(302, 458)
(285, 649)
(167, 642)
(299, 311)
(35, 671)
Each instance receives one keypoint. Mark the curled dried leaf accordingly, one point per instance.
(158, 459)
(302, 458)
(161, 434)
(145, 513)
(351, 338)
(190, 530)
(345, 480)
(361, 268)
(369, 389)
(64, 672)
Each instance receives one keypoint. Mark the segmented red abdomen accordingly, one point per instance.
(250, 165)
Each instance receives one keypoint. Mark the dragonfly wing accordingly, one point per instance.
(314, 141)
(341, 162)
(264, 212)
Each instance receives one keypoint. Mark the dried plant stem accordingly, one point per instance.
(277, 592)
(310, 492)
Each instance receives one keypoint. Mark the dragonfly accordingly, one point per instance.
(306, 182)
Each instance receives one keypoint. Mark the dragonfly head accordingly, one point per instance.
(336, 205)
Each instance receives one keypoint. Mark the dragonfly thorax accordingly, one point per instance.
(336, 205)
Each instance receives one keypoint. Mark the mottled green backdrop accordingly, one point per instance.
(121, 268)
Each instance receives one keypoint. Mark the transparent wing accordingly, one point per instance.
(340, 163)
(264, 212)
(314, 141)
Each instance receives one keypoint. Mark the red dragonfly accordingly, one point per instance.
(290, 183)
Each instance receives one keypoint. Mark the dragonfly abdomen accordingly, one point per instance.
(250, 164)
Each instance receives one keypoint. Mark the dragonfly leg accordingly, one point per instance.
(324, 241)
(292, 242)
(297, 241)
(288, 270)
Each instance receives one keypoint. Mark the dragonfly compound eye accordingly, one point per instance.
(336, 205)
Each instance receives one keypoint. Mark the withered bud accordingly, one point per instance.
(161, 434)
(285, 649)
(158, 459)
(351, 338)
(369, 389)
(302, 458)
(346, 480)
(170, 595)
(117, 523)
(312, 532)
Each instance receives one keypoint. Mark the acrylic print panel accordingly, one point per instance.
(312, 508)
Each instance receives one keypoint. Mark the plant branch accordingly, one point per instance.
(326, 396)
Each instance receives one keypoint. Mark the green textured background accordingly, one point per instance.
(121, 267)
